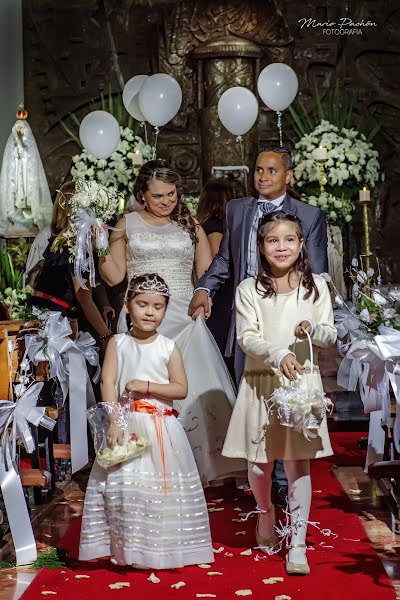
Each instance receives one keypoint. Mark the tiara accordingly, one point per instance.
(152, 286)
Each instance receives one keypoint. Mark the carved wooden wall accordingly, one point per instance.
(76, 48)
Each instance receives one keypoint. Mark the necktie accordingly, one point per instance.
(266, 207)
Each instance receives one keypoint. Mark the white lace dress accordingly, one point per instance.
(151, 510)
(205, 413)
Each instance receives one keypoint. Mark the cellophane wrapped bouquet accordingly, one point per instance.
(100, 417)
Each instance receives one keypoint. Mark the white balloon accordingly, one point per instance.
(130, 96)
(238, 110)
(99, 133)
(160, 99)
(277, 85)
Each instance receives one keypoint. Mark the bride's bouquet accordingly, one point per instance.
(100, 416)
(90, 208)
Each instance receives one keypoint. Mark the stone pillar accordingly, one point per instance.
(223, 63)
(11, 66)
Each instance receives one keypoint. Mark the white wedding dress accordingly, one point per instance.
(205, 413)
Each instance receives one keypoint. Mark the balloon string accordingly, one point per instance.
(143, 124)
(239, 140)
(279, 115)
(156, 131)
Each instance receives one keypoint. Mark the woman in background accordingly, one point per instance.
(214, 197)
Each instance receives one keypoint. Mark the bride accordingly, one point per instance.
(164, 238)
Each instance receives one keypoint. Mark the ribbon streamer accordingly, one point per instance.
(84, 221)
(67, 359)
(20, 414)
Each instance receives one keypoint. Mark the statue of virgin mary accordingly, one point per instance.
(25, 201)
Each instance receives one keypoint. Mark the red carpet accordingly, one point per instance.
(344, 568)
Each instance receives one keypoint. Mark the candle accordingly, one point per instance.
(320, 153)
(137, 159)
(121, 204)
(364, 195)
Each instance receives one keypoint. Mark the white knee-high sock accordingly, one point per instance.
(298, 474)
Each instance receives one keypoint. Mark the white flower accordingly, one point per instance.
(394, 295)
(370, 272)
(378, 298)
(365, 316)
(354, 262)
(339, 300)
(389, 313)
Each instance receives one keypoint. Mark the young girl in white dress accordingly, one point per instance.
(149, 512)
(273, 313)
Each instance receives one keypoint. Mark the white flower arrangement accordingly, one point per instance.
(371, 305)
(17, 302)
(117, 169)
(192, 203)
(351, 163)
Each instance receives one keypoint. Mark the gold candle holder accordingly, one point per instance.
(365, 199)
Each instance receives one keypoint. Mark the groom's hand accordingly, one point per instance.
(200, 304)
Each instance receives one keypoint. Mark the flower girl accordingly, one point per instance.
(150, 511)
(273, 313)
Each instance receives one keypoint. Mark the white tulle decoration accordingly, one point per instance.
(302, 409)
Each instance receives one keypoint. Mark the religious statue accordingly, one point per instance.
(25, 201)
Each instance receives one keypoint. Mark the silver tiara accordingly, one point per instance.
(152, 286)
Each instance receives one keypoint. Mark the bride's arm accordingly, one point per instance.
(202, 255)
(113, 266)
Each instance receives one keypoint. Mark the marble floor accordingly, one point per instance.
(51, 521)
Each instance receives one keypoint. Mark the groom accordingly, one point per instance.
(238, 253)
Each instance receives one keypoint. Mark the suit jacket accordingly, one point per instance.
(232, 255)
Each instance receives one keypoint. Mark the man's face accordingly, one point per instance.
(270, 176)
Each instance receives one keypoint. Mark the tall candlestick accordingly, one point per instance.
(365, 199)
(364, 195)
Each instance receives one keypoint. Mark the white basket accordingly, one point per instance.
(299, 408)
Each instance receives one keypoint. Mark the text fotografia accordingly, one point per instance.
(345, 26)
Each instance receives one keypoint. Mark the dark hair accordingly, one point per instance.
(131, 291)
(285, 152)
(159, 170)
(265, 283)
(214, 197)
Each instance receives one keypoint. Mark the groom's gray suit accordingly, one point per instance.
(231, 260)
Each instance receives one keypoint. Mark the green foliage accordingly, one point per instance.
(336, 107)
(50, 559)
(7, 564)
(9, 276)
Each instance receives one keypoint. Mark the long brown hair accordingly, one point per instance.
(265, 281)
(60, 217)
(159, 169)
(214, 197)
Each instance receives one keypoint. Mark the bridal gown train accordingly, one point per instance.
(205, 413)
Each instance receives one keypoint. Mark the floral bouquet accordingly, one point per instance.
(90, 208)
(100, 416)
(118, 169)
(372, 305)
(351, 162)
(192, 203)
(300, 407)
